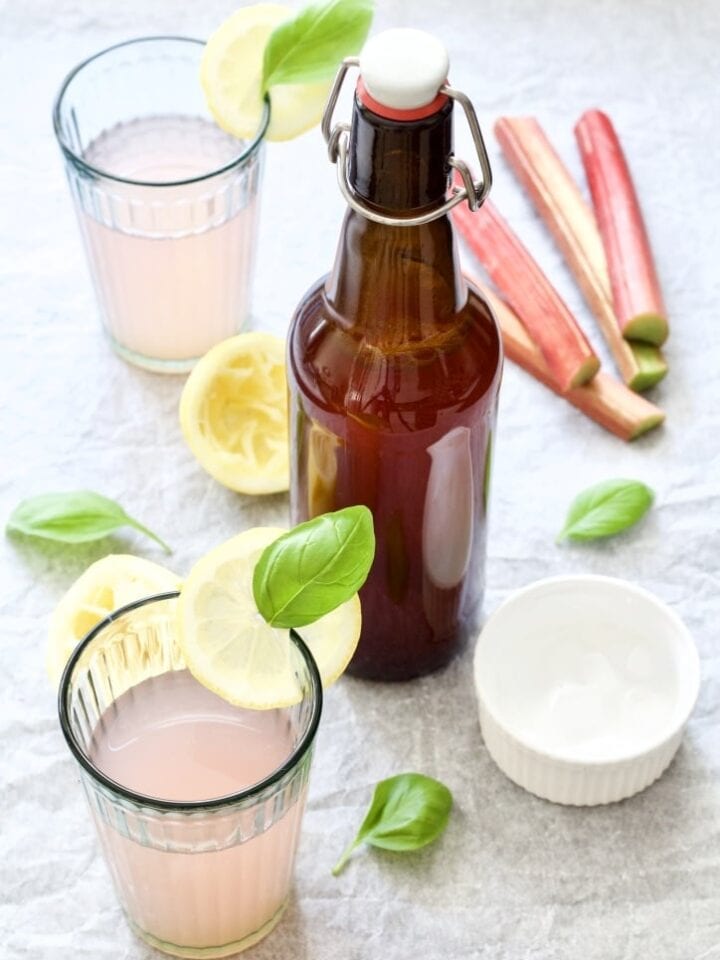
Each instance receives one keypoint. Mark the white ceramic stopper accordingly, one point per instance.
(403, 69)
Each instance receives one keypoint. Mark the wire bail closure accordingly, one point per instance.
(337, 137)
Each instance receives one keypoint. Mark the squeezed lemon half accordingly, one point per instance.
(233, 413)
(231, 78)
(232, 650)
(105, 585)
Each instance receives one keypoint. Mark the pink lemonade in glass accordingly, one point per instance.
(197, 803)
(171, 738)
(172, 270)
(167, 202)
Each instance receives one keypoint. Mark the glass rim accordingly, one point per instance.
(141, 799)
(249, 148)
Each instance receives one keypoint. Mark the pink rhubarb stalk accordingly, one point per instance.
(605, 400)
(548, 320)
(558, 201)
(636, 292)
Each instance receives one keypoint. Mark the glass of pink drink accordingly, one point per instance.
(167, 202)
(197, 803)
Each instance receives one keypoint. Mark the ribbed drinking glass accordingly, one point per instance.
(197, 803)
(167, 202)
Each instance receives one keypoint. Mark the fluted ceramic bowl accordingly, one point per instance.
(584, 687)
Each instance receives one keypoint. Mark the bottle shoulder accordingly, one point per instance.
(316, 319)
(450, 363)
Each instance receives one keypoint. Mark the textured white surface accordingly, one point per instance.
(514, 878)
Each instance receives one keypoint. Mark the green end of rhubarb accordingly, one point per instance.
(652, 365)
(648, 327)
(585, 372)
(649, 423)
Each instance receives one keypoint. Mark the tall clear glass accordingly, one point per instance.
(167, 202)
(196, 878)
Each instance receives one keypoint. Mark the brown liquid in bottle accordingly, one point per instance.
(394, 368)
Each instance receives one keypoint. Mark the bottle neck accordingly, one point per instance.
(400, 165)
(398, 283)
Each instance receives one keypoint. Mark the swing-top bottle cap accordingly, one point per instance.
(404, 69)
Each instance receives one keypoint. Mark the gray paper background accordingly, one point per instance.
(513, 877)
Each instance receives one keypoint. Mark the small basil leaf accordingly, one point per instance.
(605, 509)
(407, 812)
(309, 47)
(315, 567)
(75, 517)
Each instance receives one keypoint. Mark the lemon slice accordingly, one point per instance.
(105, 585)
(231, 77)
(233, 413)
(230, 648)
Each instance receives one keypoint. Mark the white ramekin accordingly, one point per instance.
(562, 637)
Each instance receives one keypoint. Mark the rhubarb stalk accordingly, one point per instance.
(551, 325)
(558, 200)
(605, 400)
(635, 287)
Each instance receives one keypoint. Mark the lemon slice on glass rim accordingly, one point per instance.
(107, 584)
(233, 413)
(232, 650)
(231, 78)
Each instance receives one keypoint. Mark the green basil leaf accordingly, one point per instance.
(407, 812)
(75, 517)
(315, 567)
(605, 509)
(309, 47)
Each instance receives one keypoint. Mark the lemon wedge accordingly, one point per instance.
(231, 78)
(105, 585)
(233, 413)
(232, 650)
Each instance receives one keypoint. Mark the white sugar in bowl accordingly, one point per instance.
(584, 686)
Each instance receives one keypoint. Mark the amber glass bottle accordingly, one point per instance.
(394, 368)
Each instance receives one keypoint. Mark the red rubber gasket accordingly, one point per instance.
(389, 113)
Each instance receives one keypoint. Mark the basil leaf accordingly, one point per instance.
(406, 813)
(605, 509)
(309, 47)
(315, 567)
(75, 517)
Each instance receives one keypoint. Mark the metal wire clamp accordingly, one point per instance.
(337, 137)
